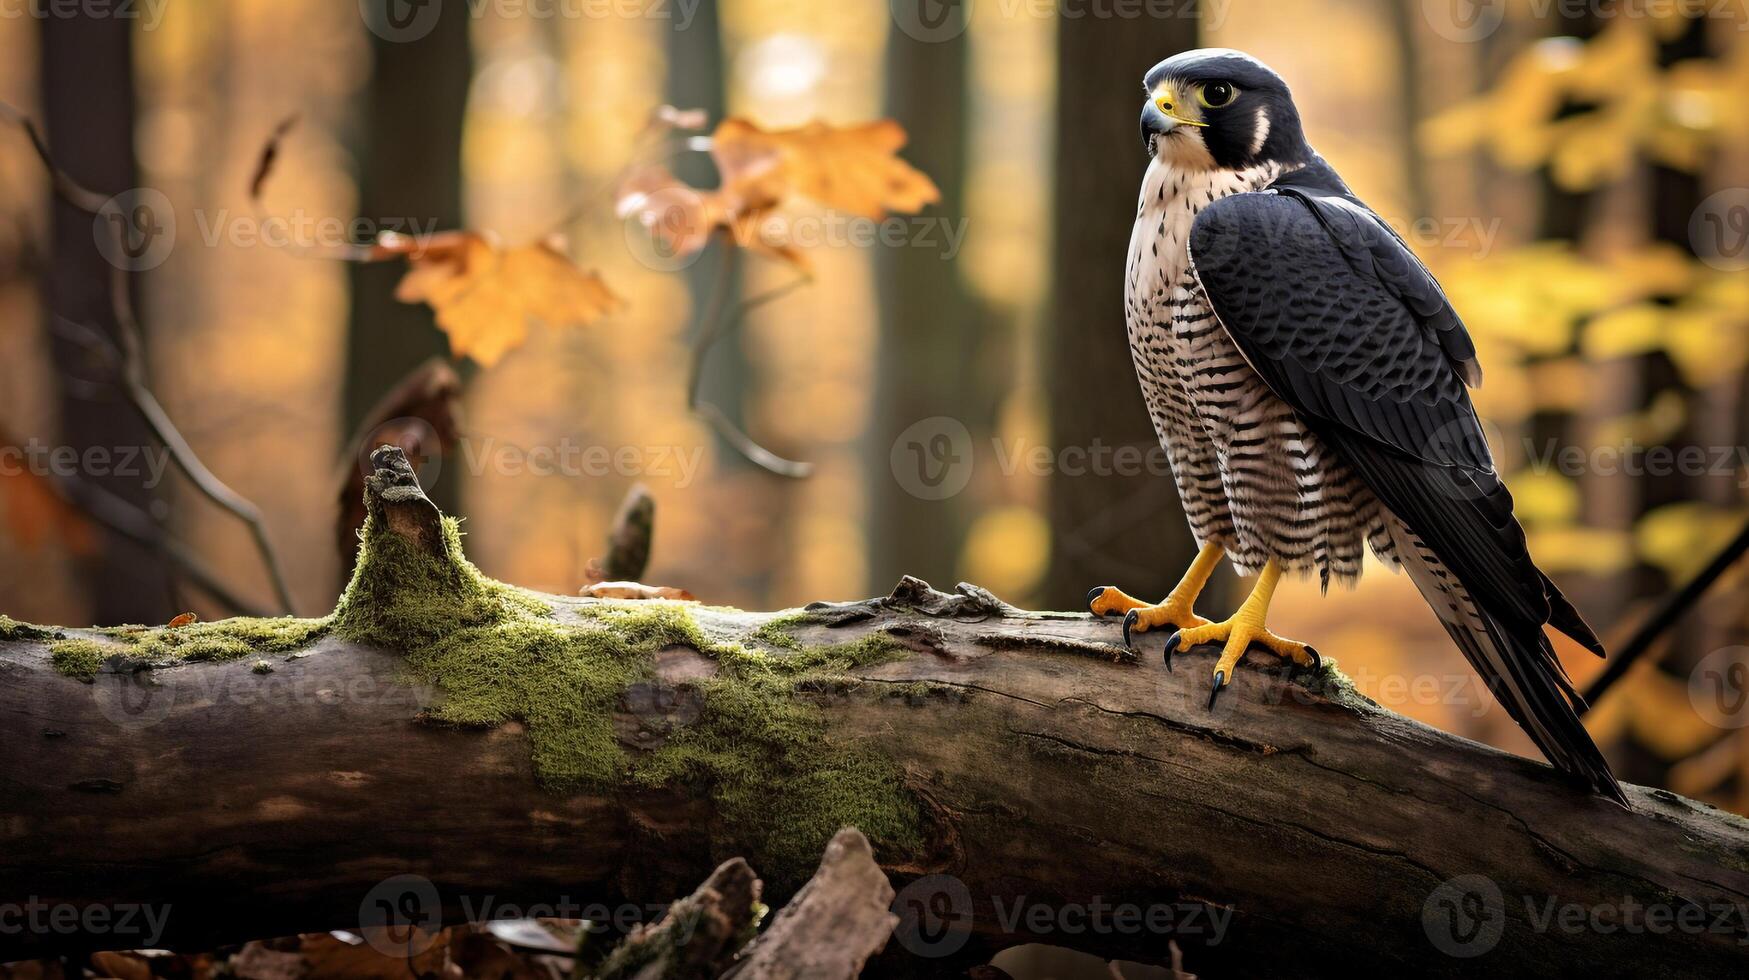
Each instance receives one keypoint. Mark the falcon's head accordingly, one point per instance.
(1217, 109)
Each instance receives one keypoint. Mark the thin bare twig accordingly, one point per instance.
(130, 359)
(1670, 610)
(717, 321)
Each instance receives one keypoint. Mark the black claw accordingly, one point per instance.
(1220, 680)
(1129, 620)
(1172, 646)
(1093, 596)
(1317, 662)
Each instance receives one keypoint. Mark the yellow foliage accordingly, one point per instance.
(1681, 538)
(1634, 107)
(1625, 332)
(1543, 497)
(1007, 550)
(1580, 549)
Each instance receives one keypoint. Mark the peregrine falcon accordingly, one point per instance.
(1309, 382)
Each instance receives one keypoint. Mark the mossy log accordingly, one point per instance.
(1020, 776)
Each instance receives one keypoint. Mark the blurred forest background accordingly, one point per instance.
(1576, 173)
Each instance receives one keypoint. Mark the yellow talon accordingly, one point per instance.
(1178, 610)
(1241, 631)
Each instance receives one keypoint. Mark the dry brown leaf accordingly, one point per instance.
(484, 295)
(327, 956)
(186, 619)
(121, 966)
(635, 590)
(853, 169)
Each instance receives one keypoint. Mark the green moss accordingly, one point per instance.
(80, 658)
(1337, 686)
(760, 746)
(262, 667)
(836, 658)
(402, 597)
(220, 640)
(781, 781)
(226, 639)
(11, 629)
(779, 633)
(563, 682)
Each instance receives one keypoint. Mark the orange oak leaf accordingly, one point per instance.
(484, 294)
(854, 169)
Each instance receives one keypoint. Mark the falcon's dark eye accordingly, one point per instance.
(1214, 95)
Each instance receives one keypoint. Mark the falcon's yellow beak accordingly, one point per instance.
(1171, 105)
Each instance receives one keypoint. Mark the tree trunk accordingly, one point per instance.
(1114, 523)
(934, 405)
(88, 115)
(410, 180)
(1044, 786)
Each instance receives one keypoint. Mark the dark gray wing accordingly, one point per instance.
(1346, 326)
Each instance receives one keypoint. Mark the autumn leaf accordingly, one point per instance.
(635, 590)
(853, 169)
(185, 619)
(484, 295)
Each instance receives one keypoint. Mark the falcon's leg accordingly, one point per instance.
(1245, 628)
(1178, 610)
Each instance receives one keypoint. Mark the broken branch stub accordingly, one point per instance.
(392, 494)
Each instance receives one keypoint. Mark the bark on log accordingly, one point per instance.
(1065, 794)
(834, 924)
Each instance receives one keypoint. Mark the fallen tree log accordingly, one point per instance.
(446, 747)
